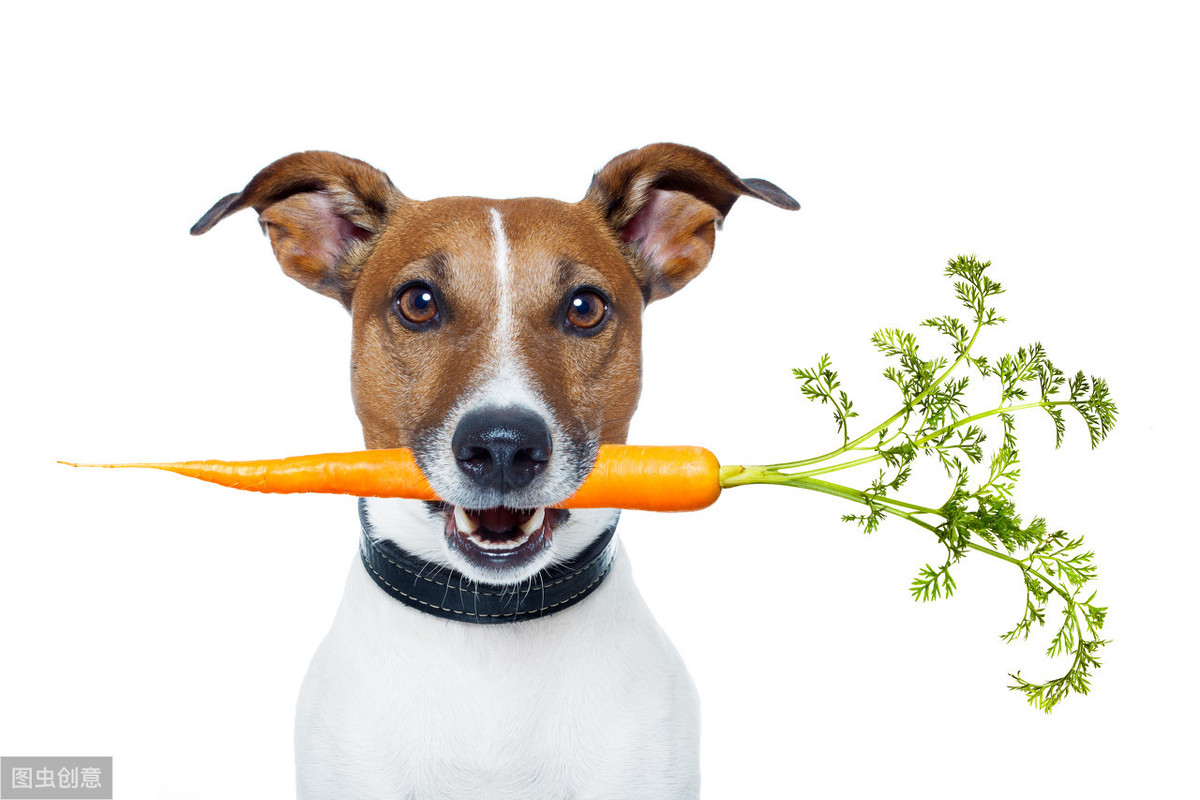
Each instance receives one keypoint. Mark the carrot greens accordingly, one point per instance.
(978, 515)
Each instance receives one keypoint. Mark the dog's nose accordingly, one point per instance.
(501, 448)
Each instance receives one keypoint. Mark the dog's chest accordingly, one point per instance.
(590, 702)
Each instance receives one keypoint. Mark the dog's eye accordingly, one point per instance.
(416, 304)
(587, 310)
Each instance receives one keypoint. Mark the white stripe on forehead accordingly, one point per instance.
(506, 379)
(505, 340)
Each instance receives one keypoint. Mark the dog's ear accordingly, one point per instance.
(666, 202)
(315, 206)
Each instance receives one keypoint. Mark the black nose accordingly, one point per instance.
(501, 448)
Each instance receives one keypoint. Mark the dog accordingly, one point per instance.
(488, 645)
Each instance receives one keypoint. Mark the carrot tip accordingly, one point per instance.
(102, 466)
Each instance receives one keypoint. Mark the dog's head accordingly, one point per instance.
(499, 339)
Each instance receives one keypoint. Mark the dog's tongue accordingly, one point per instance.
(501, 519)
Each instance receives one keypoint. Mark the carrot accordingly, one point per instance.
(624, 476)
(650, 479)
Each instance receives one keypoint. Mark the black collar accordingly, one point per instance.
(449, 594)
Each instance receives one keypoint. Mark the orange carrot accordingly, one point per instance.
(625, 476)
(650, 479)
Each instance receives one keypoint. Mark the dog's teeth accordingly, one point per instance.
(510, 544)
(464, 522)
(534, 522)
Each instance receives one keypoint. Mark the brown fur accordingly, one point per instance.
(338, 226)
(416, 376)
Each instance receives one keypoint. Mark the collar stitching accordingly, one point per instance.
(540, 610)
(379, 551)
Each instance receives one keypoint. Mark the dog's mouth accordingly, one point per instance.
(500, 538)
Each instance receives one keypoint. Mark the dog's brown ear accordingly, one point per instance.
(315, 206)
(667, 201)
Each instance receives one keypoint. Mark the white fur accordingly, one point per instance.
(505, 336)
(591, 702)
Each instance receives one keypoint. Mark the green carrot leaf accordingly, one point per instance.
(1056, 569)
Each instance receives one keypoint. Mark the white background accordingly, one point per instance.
(169, 623)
